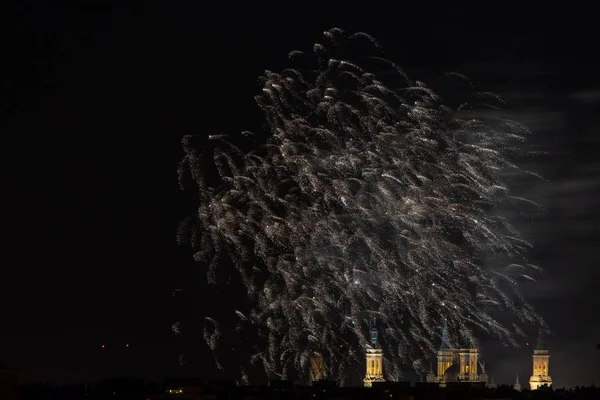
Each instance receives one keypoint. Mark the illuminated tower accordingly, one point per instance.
(317, 369)
(468, 365)
(541, 365)
(445, 357)
(374, 371)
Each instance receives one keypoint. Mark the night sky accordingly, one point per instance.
(96, 96)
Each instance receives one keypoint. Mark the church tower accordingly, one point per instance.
(541, 365)
(468, 365)
(445, 356)
(317, 369)
(374, 371)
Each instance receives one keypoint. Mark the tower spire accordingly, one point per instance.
(540, 340)
(517, 385)
(374, 334)
(445, 345)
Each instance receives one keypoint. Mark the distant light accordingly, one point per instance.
(341, 345)
(103, 346)
(127, 345)
(527, 344)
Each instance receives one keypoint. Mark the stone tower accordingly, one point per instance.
(374, 365)
(468, 365)
(317, 369)
(541, 365)
(445, 356)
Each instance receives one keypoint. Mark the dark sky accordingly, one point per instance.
(97, 94)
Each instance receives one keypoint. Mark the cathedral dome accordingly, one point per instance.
(451, 374)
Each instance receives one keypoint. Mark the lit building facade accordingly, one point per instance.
(455, 365)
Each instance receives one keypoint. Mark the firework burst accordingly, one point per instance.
(370, 197)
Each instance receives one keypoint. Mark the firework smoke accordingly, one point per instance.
(370, 197)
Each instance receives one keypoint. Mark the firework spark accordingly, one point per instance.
(370, 197)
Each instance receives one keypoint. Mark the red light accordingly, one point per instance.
(127, 345)
(341, 345)
(527, 344)
(421, 347)
(103, 346)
